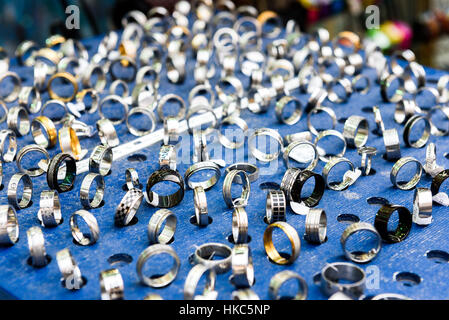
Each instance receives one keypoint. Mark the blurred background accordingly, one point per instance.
(422, 25)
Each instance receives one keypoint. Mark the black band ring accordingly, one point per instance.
(404, 225)
(70, 174)
(300, 181)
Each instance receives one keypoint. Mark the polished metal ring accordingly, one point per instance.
(386, 83)
(11, 145)
(128, 206)
(142, 111)
(36, 245)
(58, 103)
(171, 98)
(392, 145)
(116, 84)
(42, 124)
(242, 267)
(239, 225)
(342, 277)
(49, 213)
(270, 248)
(200, 204)
(88, 180)
(202, 108)
(53, 176)
(101, 159)
(282, 277)
(242, 199)
(26, 93)
(71, 274)
(303, 152)
(407, 185)
(202, 166)
(160, 280)
(408, 128)
(361, 256)
(194, 277)
(79, 236)
(157, 234)
(32, 148)
(405, 109)
(422, 206)
(18, 121)
(330, 112)
(9, 226)
(316, 226)
(132, 178)
(17, 83)
(356, 131)
(262, 156)
(238, 122)
(275, 206)
(165, 201)
(295, 116)
(95, 99)
(116, 99)
(348, 178)
(434, 129)
(334, 133)
(111, 284)
(106, 132)
(204, 252)
(251, 171)
(27, 193)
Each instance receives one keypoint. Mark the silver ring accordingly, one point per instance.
(242, 200)
(443, 91)
(5, 111)
(280, 278)
(14, 94)
(144, 111)
(414, 77)
(61, 105)
(348, 178)
(9, 226)
(128, 62)
(422, 206)
(36, 245)
(169, 98)
(18, 121)
(204, 252)
(275, 206)
(392, 146)
(101, 77)
(386, 83)
(200, 204)
(27, 192)
(300, 152)
(363, 90)
(161, 280)
(27, 149)
(434, 130)
(364, 256)
(408, 128)
(165, 235)
(49, 213)
(334, 97)
(115, 84)
(251, 171)
(168, 156)
(316, 226)
(262, 156)
(317, 110)
(405, 109)
(242, 266)
(408, 185)
(342, 277)
(95, 99)
(326, 157)
(204, 109)
(171, 131)
(202, 166)
(239, 225)
(127, 208)
(10, 153)
(100, 161)
(132, 178)
(88, 180)
(280, 106)
(71, 274)
(193, 278)
(91, 222)
(111, 284)
(356, 131)
(33, 106)
(107, 133)
(235, 83)
(233, 119)
(117, 99)
(197, 93)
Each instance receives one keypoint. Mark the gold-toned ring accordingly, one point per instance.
(348, 38)
(68, 77)
(69, 142)
(54, 40)
(270, 249)
(36, 130)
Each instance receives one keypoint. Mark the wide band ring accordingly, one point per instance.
(14, 94)
(200, 204)
(342, 277)
(71, 274)
(239, 225)
(293, 182)
(70, 172)
(111, 284)
(160, 280)
(422, 206)
(88, 180)
(193, 278)
(204, 109)
(165, 201)
(18, 121)
(27, 193)
(101, 81)
(275, 206)
(385, 85)
(405, 109)
(127, 208)
(49, 213)
(403, 227)
(251, 171)
(408, 185)
(59, 103)
(202, 166)
(242, 199)
(361, 256)
(132, 178)
(101, 160)
(36, 245)
(282, 277)
(69, 142)
(171, 98)
(242, 266)
(329, 111)
(10, 153)
(67, 76)
(9, 226)
(356, 131)
(124, 61)
(42, 122)
(316, 226)
(392, 144)
(270, 249)
(164, 236)
(27, 92)
(91, 222)
(106, 132)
